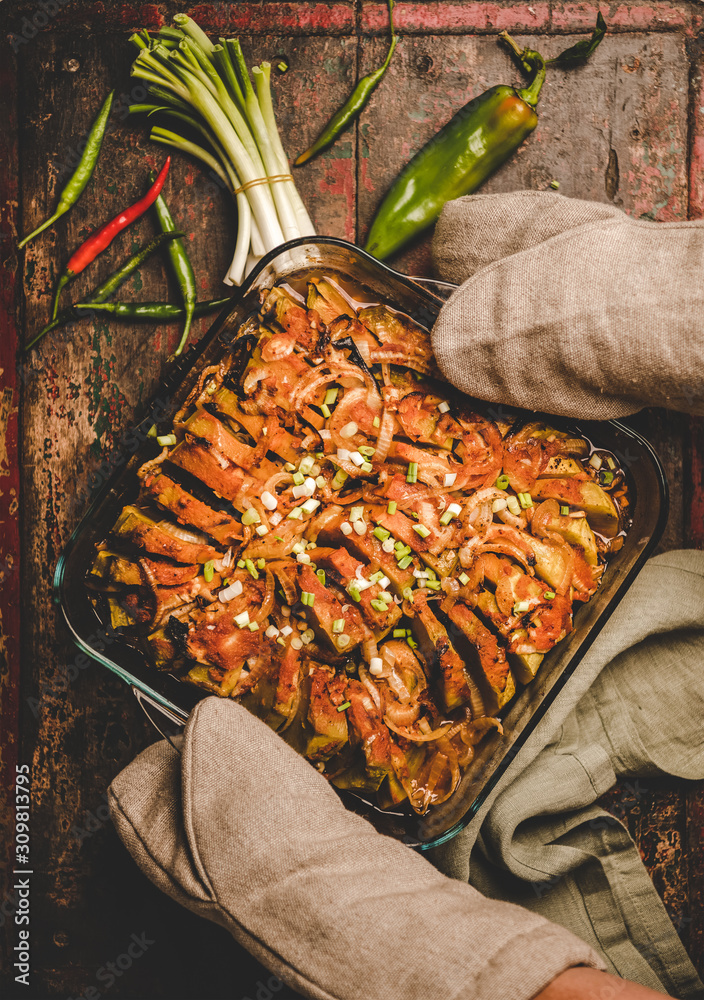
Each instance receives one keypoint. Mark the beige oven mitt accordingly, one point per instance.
(243, 831)
(570, 306)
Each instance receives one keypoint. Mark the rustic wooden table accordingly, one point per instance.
(626, 128)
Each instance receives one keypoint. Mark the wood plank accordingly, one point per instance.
(10, 397)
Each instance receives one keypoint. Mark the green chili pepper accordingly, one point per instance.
(354, 104)
(111, 284)
(164, 312)
(480, 137)
(181, 267)
(83, 172)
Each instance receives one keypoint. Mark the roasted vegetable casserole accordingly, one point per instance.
(366, 559)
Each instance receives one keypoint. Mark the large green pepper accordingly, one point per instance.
(480, 137)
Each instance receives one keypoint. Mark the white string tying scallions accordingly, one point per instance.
(231, 129)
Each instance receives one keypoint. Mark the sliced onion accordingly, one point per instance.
(362, 345)
(370, 686)
(385, 436)
(369, 647)
(194, 537)
(436, 734)
(267, 604)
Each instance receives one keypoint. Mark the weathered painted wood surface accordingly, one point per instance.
(626, 128)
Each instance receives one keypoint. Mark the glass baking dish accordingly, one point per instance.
(175, 699)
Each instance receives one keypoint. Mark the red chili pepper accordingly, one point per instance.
(104, 236)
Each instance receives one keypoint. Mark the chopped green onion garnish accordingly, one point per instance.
(386, 597)
(320, 482)
(366, 467)
(381, 533)
(433, 584)
(298, 547)
(520, 607)
(606, 478)
(251, 568)
(376, 422)
(378, 605)
(281, 642)
(306, 464)
(208, 571)
(399, 633)
(240, 564)
(549, 594)
(290, 467)
(299, 478)
(413, 514)
(278, 538)
(564, 509)
(502, 483)
(405, 562)
(525, 500)
(320, 573)
(282, 66)
(391, 507)
(253, 627)
(166, 439)
(408, 594)
(412, 476)
(464, 579)
(242, 619)
(338, 625)
(339, 480)
(344, 705)
(331, 396)
(610, 462)
(151, 433)
(375, 577)
(448, 444)
(354, 593)
(366, 450)
(420, 529)
(355, 514)
(412, 642)
(295, 514)
(261, 563)
(446, 518)
(325, 410)
(251, 516)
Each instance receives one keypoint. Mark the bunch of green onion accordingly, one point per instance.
(232, 130)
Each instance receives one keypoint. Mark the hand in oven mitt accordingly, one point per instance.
(243, 831)
(570, 306)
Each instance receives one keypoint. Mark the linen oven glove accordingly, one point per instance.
(570, 306)
(633, 709)
(241, 830)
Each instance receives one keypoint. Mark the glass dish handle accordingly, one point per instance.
(151, 707)
(443, 289)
